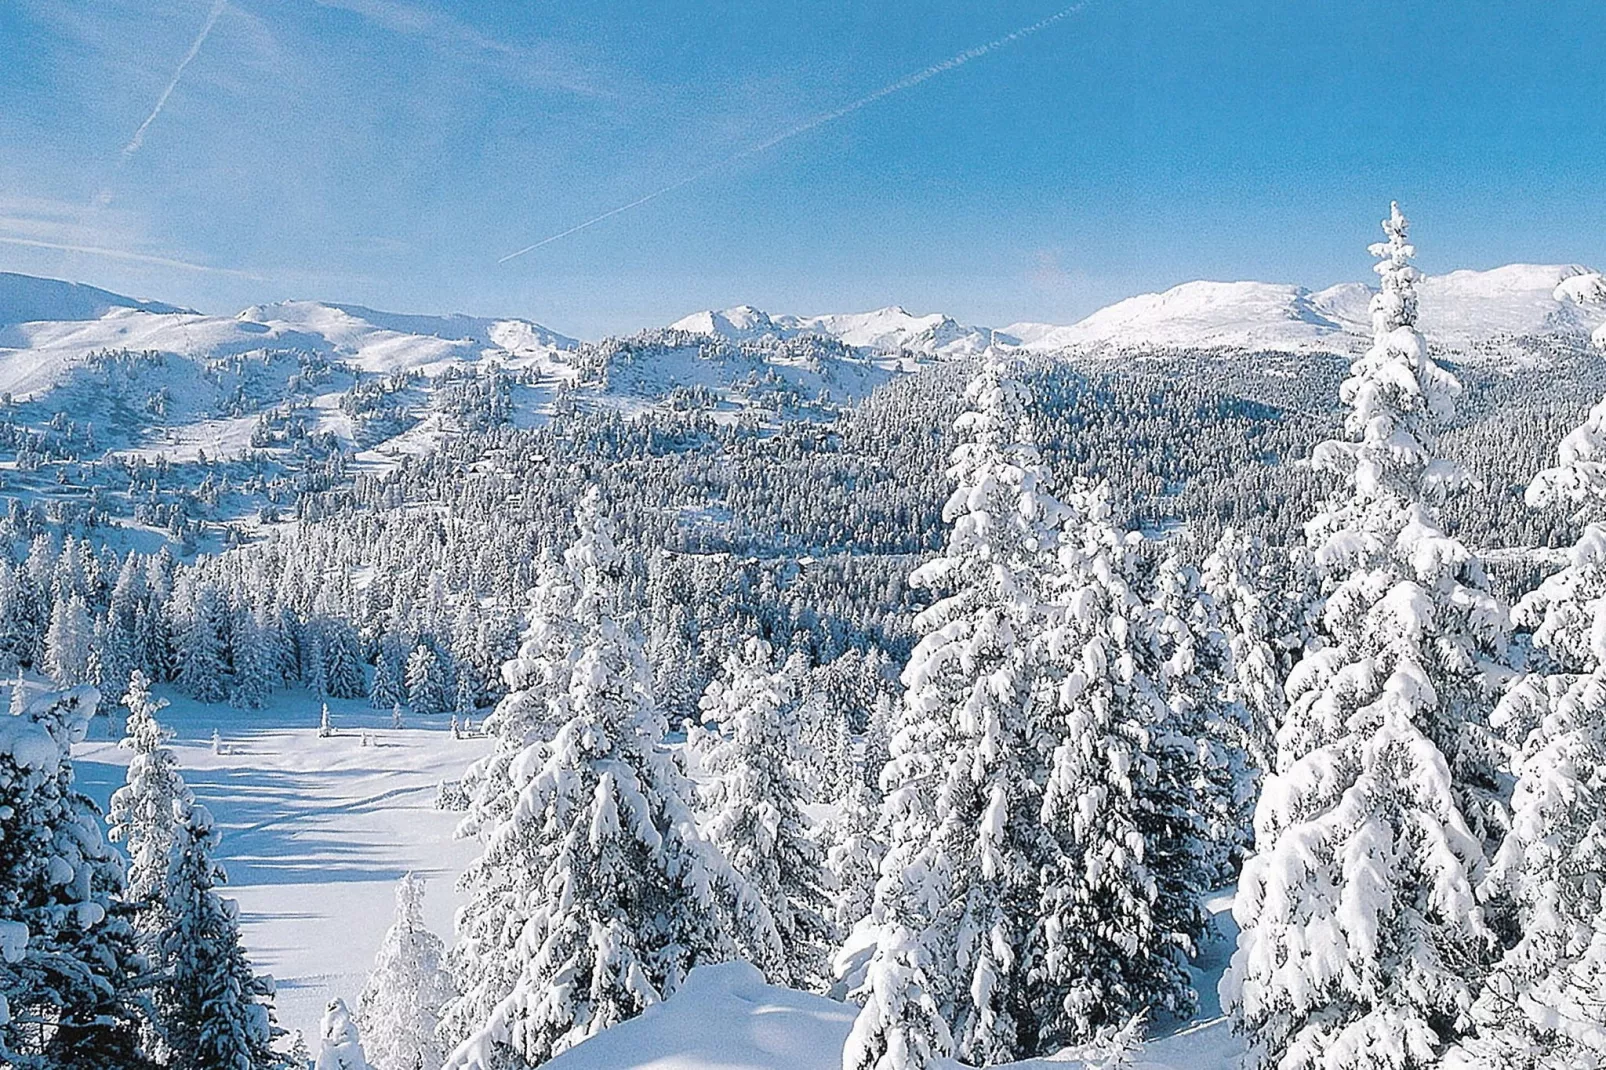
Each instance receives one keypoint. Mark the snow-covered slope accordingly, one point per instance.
(38, 354)
(1458, 309)
(1203, 314)
(25, 298)
(726, 1018)
(885, 330)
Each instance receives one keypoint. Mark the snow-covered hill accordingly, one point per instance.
(1459, 310)
(25, 298)
(35, 354)
(886, 330)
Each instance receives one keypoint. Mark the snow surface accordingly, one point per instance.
(726, 1018)
(316, 832)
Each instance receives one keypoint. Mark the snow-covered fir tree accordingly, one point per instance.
(342, 664)
(1205, 740)
(387, 689)
(1544, 1005)
(1238, 576)
(960, 820)
(254, 674)
(900, 1026)
(202, 646)
(492, 917)
(68, 643)
(70, 973)
(1118, 912)
(624, 896)
(215, 1011)
(1363, 941)
(853, 856)
(146, 813)
(754, 810)
(426, 681)
(399, 1010)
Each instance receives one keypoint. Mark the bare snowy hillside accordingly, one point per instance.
(1462, 310)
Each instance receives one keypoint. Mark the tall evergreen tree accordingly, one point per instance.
(69, 641)
(960, 817)
(146, 812)
(399, 1011)
(342, 662)
(1362, 938)
(1118, 913)
(755, 810)
(1544, 1006)
(495, 908)
(203, 644)
(216, 1012)
(426, 681)
(71, 990)
(625, 895)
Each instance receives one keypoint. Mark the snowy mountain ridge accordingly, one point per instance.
(1458, 310)
(27, 298)
(884, 330)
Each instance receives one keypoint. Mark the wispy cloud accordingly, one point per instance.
(47, 223)
(126, 255)
(538, 64)
(908, 81)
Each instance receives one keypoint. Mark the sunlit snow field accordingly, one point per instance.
(316, 831)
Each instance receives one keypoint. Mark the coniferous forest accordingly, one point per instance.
(1021, 705)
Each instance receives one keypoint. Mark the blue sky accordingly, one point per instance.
(389, 152)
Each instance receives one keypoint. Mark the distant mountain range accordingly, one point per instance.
(1458, 310)
(57, 321)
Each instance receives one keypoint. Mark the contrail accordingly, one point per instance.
(906, 82)
(195, 47)
(120, 254)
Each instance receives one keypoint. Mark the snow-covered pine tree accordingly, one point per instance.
(754, 810)
(899, 1026)
(146, 811)
(69, 969)
(1544, 1005)
(493, 914)
(1237, 576)
(853, 858)
(1205, 741)
(339, 1043)
(68, 642)
(202, 646)
(1362, 939)
(960, 816)
(426, 681)
(216, 1013)
(253, 670)
(624, 896)
(387, 689)
(342, 661)
(399, 1010)
(1118, 910)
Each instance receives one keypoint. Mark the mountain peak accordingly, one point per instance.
(31, 299)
